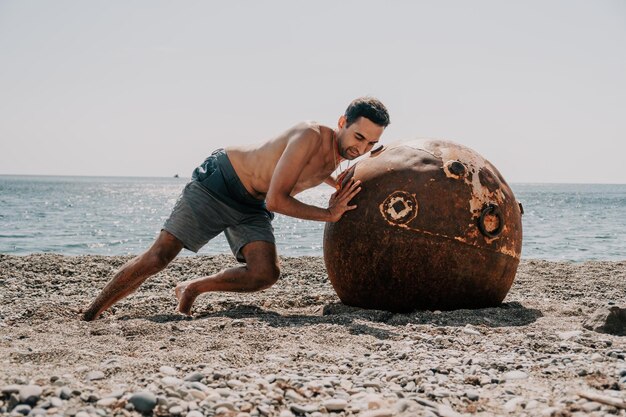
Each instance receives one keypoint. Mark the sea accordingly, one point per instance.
(122, 216)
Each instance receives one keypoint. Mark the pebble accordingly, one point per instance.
(304, 408)
(293, 396)
(55, 402)
(171, 381)
(168, 370)
(11, 389)
(199, 386)
(194, 413)
(95, 375)
(227, 405)
(22, 409)
(64, 393)
(115, 394)
(335, 404)
(469, 329)
(197, 394)
(515, 375)
(472, 395)
(511, 405)
(591, 406)
(233, 383)
(223, 392)
(569, 335)
(531, 405)
(372, 384)
(176, 410)
(91, 398)
(143, 401)
(107, 402)
(30, 394)
(194, 377)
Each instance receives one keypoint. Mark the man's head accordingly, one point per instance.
(367, 107)
(361, 127)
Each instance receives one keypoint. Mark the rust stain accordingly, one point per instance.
(399, 207)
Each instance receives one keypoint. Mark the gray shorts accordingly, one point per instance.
(216, 201)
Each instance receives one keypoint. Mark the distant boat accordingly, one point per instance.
(175, 175)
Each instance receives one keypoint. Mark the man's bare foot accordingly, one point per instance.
(89, 314)
(185, 296)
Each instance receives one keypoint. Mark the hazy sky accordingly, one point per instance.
(150, 88)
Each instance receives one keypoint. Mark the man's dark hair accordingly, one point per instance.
(367, 107)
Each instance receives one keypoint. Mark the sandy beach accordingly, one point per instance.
(296, 350)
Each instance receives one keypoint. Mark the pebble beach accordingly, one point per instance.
(295, 350)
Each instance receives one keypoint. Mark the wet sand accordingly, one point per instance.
(296, 350)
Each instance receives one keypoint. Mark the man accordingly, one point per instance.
(236, 190)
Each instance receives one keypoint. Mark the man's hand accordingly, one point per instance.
(339, 201)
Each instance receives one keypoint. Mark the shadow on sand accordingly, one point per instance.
(356, 319)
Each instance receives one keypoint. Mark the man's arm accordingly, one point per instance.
(298, 152)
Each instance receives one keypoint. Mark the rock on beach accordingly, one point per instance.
(610, 320)
(143, 401)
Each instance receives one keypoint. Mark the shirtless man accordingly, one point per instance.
(236, 190)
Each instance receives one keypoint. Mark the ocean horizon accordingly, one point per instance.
(115, 215)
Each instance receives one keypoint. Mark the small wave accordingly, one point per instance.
(75, 245)
(96, 245)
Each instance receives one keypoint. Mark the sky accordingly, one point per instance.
(150, 88)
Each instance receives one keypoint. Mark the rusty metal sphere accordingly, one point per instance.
(436, 227)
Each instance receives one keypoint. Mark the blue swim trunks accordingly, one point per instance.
(216, 201)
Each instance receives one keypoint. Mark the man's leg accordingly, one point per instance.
(261, 271)
(134, 273)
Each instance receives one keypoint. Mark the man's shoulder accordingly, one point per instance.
(309, 129)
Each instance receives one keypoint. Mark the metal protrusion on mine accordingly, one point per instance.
(376, 150)
(490, 221)
(456, 168)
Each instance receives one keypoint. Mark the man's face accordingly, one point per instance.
(358, 138)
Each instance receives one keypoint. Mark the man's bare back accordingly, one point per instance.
(255, 164)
